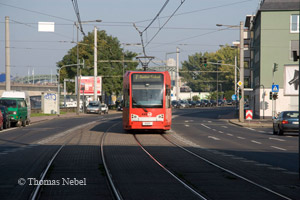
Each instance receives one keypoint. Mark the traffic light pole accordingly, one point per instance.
(241, 106)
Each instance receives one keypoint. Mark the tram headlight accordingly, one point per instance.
(160, 117)
(134, 117)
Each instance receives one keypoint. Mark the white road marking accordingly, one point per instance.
(229, 134)
(250, 129)
(187, 125)
(205, 126)
(277, 139)
(224, 126)
(263, 165)
(255, 142)
(262, 131)
(214, 130)
(242, 138)
(221, 132)
(282, 149)
(214, 138)
(209, 121)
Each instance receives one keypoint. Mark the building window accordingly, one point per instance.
(294, 47)
(294, 24)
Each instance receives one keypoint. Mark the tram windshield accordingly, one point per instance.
(147, 90)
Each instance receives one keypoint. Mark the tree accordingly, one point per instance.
(108, 48)
(201, 78)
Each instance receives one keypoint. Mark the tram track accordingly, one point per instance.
(211, 163)
(37, 191)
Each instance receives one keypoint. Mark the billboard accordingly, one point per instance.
(87, 85)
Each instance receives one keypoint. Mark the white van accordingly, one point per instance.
(19, 94)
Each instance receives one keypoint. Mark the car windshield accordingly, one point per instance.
(291, 115)
(8, 103)
(93, 105)
(147, 90)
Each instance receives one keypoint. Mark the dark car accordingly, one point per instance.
(221, 102)
(1, 121)
(192, 104)
(213, 103)
(287, 121)
(6, 117)
(198, 104)
(204, 103)
(175, 104)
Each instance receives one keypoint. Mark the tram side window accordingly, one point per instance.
(126, 98)
(168, 97)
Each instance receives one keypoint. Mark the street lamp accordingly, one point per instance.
(241, 26)
(78, 81)
(58, 85)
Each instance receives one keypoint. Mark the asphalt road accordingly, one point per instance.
(233, 162)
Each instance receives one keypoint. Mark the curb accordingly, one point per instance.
(250, 125)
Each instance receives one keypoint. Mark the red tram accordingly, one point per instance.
(147, 100)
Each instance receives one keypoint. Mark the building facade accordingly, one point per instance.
(274, 36)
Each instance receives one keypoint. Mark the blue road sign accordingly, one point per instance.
(233, 97)
(275, 88)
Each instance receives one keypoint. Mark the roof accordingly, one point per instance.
(277, 5)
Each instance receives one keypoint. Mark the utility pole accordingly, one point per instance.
(95, 64)
(177, 73)
(78, 81)
(7, 55)
(241, 114)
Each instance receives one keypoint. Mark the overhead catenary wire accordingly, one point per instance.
(37, 12)
(181, 3)
(165, 4)
(76, 9)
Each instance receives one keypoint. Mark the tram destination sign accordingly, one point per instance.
(147, 78)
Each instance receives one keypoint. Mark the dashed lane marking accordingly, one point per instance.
(256, 142)
(242, 138)
(277, 139)
(205, 126)
(214, 138)
(282, 149)
(229, 134)
(250, 129)
(224, 126)
(187, 125)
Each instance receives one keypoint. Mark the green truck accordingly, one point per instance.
(17, 109)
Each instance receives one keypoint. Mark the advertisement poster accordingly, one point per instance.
(291, 80)
(87, 85)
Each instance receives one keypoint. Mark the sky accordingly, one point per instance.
(192, 28)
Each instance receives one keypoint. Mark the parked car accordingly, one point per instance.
(175, 104)
(205, 103)
(221, 102)
(1, 121)
(184, 104)
(192, 104)
(287, 121)
(17, 109)
(104, 109)
(6, 118)
(198, 104)
(93, 107)
(213, 103)
(229, 102)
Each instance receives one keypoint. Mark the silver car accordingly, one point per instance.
(94, 107)
(287, 121)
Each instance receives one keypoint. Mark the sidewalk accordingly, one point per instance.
(256, 123)
(67, 115)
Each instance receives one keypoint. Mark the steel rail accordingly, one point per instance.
(228, 171)
(109, 176)
(169, 172)
(36, 191)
